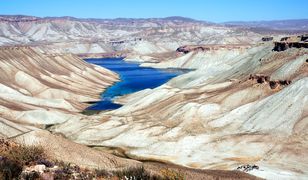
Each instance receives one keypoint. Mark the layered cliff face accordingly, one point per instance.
(240, 106)
(198, 56)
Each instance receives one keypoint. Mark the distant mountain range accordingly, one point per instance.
(280, 25)
(142, 36)
(290, 24)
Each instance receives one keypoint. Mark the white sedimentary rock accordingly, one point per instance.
(214, 117)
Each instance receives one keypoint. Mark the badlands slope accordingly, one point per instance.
(37, 90)
(243, 103)
(241, 106)
(40, 90)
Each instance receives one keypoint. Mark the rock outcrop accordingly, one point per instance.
(268, 38)
(291, 42)
(281, 46)
(196, 48)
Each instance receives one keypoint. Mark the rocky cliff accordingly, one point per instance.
(293, 41)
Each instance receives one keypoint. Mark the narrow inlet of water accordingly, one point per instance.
(133, 78)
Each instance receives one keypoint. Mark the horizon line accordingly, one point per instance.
(139, 18)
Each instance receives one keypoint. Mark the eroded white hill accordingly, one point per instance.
(248, 108)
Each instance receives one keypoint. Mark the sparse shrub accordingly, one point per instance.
(101, 173)
(85, 175)
(171, 174)
(29, 175)
(15, 156)
(133, 173)
(62, 174)
(46, 162)
(9, 169)
(65, 171)
(137, 173)
(25, 155)
(69, 171)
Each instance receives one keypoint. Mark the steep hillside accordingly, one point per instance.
(249, 108)
(38, 90)
(46, 89)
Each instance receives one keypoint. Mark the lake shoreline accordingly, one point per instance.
(133, 78)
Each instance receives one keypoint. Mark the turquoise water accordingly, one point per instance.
(133, 78)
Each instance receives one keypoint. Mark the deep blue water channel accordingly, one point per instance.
(133, 78)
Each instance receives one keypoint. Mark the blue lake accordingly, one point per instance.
(133, 78)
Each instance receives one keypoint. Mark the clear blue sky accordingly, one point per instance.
(210, 10)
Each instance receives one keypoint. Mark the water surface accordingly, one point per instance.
(133, 78)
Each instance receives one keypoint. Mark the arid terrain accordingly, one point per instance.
(244, 102)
